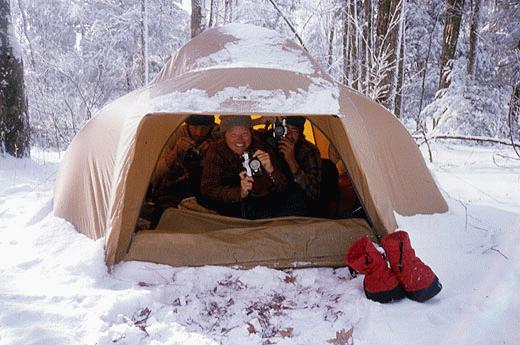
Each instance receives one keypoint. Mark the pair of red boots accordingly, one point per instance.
(407, 276)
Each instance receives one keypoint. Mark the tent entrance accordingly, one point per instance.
(194, 236)
(339, 199)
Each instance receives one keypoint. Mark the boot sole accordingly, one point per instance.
(395, 294)
(426, 293)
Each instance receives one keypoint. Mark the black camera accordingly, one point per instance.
(251, 164)
(279, 129)
(192, 156)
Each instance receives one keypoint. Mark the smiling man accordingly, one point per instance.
(225, 185)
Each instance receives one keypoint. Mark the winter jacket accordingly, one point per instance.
(220, 183)
(308, 177)
(173, 169)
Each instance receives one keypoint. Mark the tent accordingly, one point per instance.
(242, 70)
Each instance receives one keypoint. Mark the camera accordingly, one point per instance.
(192, 156)
(251, 164)
(279, 129)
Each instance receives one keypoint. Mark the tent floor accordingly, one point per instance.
(188, 238)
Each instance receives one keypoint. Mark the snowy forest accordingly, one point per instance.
(83, 119)
(448, 69)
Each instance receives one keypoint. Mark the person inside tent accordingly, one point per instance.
(241, 177)
(302, 164)
(179, 167)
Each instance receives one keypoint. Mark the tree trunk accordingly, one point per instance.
(452, 20)
(383, 14)
(144, 41)
(346, 44)
(366, 46)
(514, 111)
(400, 77)
(228, 11)
(197, 23)
(354, 58)
(26, 33)
(473, 37)
(14, 122)
(331, 47)
(388, 23)
(211, 14)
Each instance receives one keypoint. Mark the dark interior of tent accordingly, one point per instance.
(338, 197)
(189, 234)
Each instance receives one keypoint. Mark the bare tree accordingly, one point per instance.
(330, 49)
(366, 43)
(197, 18)
(425, 70)
(14, 123)
(389, 17)
(473, 36)
(354, 44)
(514, 114)
(452, 20)
(289, 24)
(228, 11)
(144, 40)
(211, 13)
(400, 77)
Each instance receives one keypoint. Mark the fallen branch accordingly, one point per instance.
(468, 138)
(427, 144)
(496, 250)
(289, 24)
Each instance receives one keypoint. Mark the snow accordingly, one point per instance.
(321, 98)
(259, 48)
(11, 40)
(56, 288)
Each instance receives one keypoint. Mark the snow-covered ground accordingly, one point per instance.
(55, 288)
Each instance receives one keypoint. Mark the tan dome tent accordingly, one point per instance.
(245, 70)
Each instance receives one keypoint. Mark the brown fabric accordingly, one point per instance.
(230, 121)
(191, 204)
(200, 239)
(221, 167)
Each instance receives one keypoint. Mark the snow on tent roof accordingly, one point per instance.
(242, 68)
(251, 46)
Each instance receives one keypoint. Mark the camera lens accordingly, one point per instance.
(255, 164)
(279, 131)
(192, 155)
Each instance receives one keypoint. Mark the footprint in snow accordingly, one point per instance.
(18, 189)
(28, 264)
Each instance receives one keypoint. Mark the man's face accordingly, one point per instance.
(293, 133)
(238, 139)
(198, 132)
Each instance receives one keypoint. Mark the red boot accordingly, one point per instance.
(417, 279)
(380, 284)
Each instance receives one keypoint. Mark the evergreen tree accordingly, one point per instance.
(14, 124)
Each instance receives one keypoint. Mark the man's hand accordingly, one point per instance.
(184, 144)
(286, 148)
(264, 158)
(246, 184)
(204, 146)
